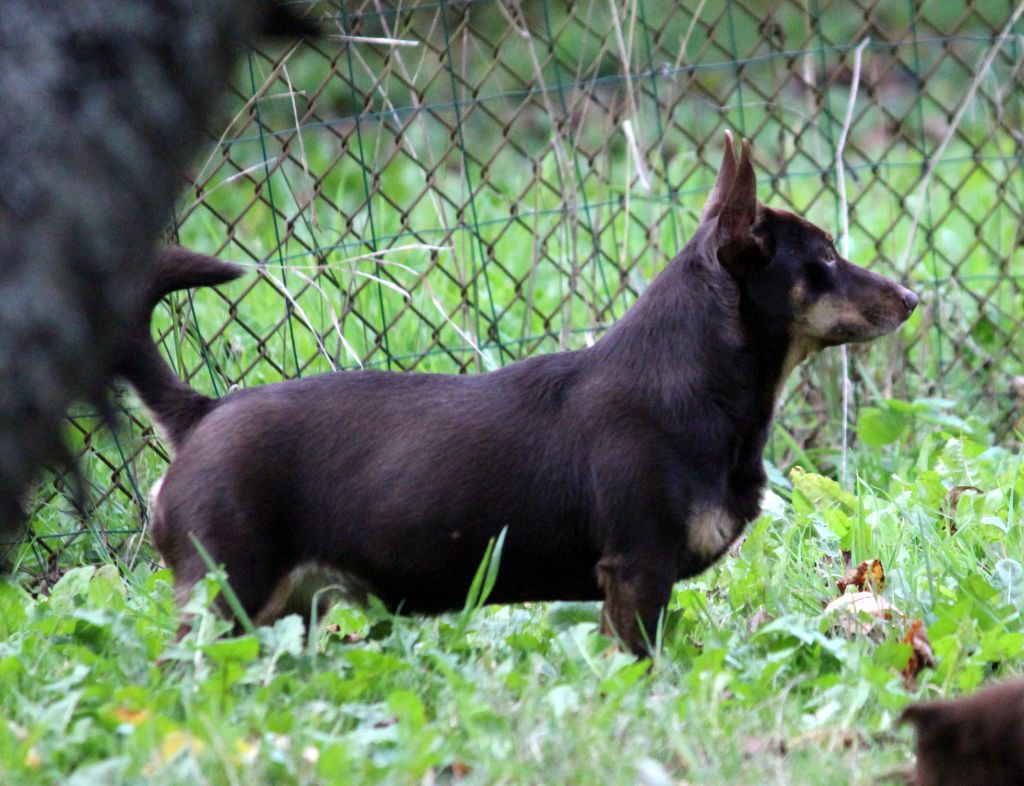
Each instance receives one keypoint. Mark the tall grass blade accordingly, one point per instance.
(225, 587)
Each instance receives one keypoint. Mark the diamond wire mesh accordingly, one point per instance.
(442, 186)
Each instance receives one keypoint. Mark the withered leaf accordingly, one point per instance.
(922, 656)
(760, 747)
(832, 738)
(850, 608)
(347, 638)
(866, 576)
(953, 501)
(761, 616)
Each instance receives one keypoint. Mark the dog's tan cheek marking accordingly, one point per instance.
(822, 316)
(821, 319)
(711, 530)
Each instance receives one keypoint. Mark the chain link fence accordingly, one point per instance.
(450, 186)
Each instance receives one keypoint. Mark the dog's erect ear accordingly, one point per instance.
(739, 208)
(726, 174)
(735, 242)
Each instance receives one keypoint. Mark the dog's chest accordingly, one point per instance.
(711, 529)
(718, 512)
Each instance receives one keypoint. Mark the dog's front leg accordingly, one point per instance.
(636, 590)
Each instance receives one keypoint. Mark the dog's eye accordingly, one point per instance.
(829, 260)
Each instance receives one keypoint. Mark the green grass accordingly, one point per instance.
(93, 688)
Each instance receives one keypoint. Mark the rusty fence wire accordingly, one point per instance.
(450, 186)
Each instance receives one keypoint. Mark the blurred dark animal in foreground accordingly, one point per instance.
(101, 104)
(973, 741)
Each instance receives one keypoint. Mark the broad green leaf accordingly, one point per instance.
(1008, 578)
(877, 427)
(819, 490)
(408, 707)
(241, 649)
(892, 654)
(15, 606)
(72, 585)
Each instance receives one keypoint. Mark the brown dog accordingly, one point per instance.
(616, 470)
(973, 741)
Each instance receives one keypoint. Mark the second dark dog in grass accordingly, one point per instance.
(617, 470)
(977, 740)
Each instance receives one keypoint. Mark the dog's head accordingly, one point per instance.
(789, 273)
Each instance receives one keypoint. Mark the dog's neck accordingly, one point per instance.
(687, 334)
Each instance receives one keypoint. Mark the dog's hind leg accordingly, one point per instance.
(256, 575)
(637, 590)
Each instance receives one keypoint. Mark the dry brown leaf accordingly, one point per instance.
(761, 746)
(132, 717)
(867, 575)
(831, 738)
(761, 617)
(867, 602)
(460, 770)
(347, 638)
(849, 610)
(922, 656)
(953, 501)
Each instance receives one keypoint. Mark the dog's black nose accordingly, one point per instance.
(909, 301)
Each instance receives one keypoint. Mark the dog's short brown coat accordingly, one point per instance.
(617, 469)
(977, 740)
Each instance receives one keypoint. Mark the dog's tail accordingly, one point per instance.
(175, 406)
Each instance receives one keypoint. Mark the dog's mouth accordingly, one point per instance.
(848, 334)
(885, 318)
(833, 321)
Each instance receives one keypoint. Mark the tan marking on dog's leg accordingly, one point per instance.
(635, 597)
(276, 602)
(309, 583)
